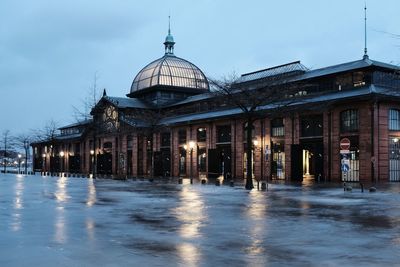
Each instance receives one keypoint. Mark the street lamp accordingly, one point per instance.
(62, 162)
(19, 163)
(92, 161)
(44, 163)
(191, 146)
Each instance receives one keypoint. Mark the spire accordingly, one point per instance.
(169, 40)
(104, 92)
(365, 32)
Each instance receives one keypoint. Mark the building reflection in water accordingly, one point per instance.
(191, 216)
(62, 197)
(91, 199)
(90, 225)
(256, 214)
(18, 203)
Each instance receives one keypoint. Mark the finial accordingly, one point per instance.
(169, 40)
(169, 24)
(104, 92)
(365, 32)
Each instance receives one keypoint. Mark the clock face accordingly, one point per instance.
(110, 117)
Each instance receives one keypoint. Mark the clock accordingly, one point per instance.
(110, 117)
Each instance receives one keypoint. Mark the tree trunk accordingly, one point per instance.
(249, 151)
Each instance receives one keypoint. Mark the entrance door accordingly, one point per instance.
(312, 159)
(104, 163)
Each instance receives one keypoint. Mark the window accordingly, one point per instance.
(202, 158)
(201, 134)
(166, 139)
(311, 126)
(394, 119)
(349, 120)
(182, 136)
(394, 159)
(277, 127)
(224, 134)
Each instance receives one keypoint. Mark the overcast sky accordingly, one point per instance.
(51, 50)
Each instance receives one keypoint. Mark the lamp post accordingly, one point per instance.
(62, 162)
(255, 144)
(44, 163)
(191, 146)
(92, 161)
(19, 163)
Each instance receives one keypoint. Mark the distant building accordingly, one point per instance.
(170, 125)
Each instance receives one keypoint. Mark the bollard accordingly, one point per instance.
(151, 180)
(203, 181)
(180, 181)
(217, 182)
(264, 186)
(372, 189)
(231, 183)
(191, 180)
(362, 187)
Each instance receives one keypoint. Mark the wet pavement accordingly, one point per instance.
(53, 221)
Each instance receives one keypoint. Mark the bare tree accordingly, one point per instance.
(256, 100)
(7, 145)
(88, 102)
(23, 141)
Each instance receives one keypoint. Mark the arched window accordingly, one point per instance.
(201, 134)
(394, 119)
(349, 120)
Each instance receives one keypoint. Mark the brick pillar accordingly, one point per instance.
(382, 161)
(239, 150)
(267, 142)
(365, 143)
(175, 152)
(134, 154)
(257, 150)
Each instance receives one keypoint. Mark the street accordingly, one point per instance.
(59, 221)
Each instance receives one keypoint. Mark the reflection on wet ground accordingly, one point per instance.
(58, 221)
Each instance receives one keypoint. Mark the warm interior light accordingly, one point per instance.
(62, 153)
(185, 147)
(395, 140)
(255, 142)
(192, 144)
(92, 152)
(43, 155)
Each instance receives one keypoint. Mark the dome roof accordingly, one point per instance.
(170, 71)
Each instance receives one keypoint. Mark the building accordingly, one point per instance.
(343, 125)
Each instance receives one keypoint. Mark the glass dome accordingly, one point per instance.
(170, 71)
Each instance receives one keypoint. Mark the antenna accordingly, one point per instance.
(365, 32)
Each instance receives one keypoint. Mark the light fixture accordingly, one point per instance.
(91, 152)
(185, 147)
(19, 155)
(43, 155)
(255, 142)
(192, 144)
(396, 140)
(62, 153)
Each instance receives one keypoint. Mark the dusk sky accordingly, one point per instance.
(50, 51)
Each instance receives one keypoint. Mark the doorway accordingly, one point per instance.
(308, 160)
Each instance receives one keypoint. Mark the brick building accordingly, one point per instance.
(171, 124)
